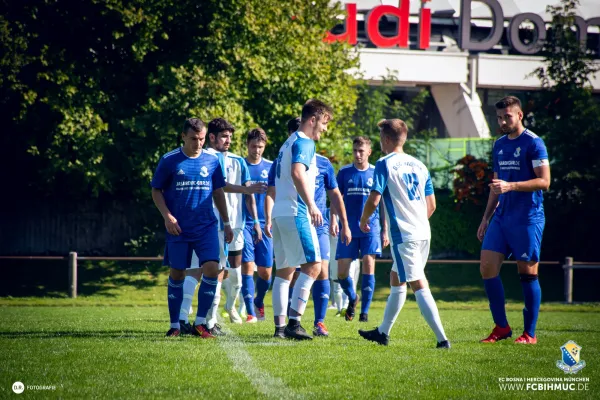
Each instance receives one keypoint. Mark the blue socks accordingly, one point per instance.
(206, 295)
(533, 298)
(174, 299)
(248, 293)
(495, 294)
(348, 287)
(320, 294)
(367, 290)
(262, 287)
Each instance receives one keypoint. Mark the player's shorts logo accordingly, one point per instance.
(204, 172)
(570, 363)
(264, 173)
(518, 152)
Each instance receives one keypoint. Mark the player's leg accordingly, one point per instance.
(321, 288)
(304, 251)
(193, 275)
(526, 245)
(177, 257)
(222, 279)
(394, 304)
(344, 255)
(263, 254)
(248, 267)
(235, 275)
(281, 283)
(333, 274)
(291, 288)
(414, 257)
(493, 252)
(370, 248)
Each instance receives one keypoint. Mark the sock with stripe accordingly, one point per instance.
(189, 287)
(320, 293)
(262, 287)
(367, 290)
(248, 293)
(174, 299)
(206, 295)
(393, 306)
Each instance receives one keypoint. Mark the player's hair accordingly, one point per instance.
(193, 124)
(293, 125)
(256, 134)
(315, 108)
(395, 129)
(508, 101)
(361, 140)
(219, 125)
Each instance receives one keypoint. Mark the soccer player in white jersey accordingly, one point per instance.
(405, 185)
(295, 216)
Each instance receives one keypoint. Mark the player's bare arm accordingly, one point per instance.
(221, 204)
(337, 203)
(255, 188)
(431, 205)
(301, 183)
(251, 204)
(370, 207)
(269, 202)
(489, 211)
(540, 182)
(170, 221)
(385, 239)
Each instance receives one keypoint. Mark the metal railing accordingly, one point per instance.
(568, 266)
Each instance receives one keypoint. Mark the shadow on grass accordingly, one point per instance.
(82, 335)
(41, 278)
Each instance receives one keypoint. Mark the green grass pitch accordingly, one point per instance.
(111, 345)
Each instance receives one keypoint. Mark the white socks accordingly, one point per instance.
(234, 287)
(430, 313)
(393, 306)
(189, 288)
(280, 295)
(300, 295)
(211, 316)
(338, 293)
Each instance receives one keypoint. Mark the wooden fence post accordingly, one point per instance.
(73, 274)
(568, 267)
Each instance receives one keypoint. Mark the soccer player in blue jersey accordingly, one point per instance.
(185, 184)
(515, 208)
(405, 186)
(356, 182)
(258, 251)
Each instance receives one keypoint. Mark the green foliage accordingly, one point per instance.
(454, 229)
(568, 118)
(99, 90)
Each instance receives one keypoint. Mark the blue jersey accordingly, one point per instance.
(272, 173)
(355, 186)
(187, 185)
(325, 181)
(514, 161)
(259, 173)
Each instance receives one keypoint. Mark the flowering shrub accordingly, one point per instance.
(471, 184)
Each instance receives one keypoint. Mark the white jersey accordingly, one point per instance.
(404, 182)
(299, 148)
(236, 172)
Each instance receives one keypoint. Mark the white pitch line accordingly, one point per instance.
(270, 386)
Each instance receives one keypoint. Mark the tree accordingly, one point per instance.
(568, 118)
(96, 91)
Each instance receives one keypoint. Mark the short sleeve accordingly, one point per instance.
(162, 176)
(538, 153)
(218, 179)
(380, 176)
(244, 171)
(303, 151)
(428, 186)
(330, 182)
(340, 181)
(272, 173)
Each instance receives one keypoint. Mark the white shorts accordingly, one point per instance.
(333, 263)
(410, 259)
(295, 242)
(223, 250)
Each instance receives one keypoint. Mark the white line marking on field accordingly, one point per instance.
(270, 386)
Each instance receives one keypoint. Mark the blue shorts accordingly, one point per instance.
(367, 245)
(260, 253)
(178, 255)
(523, 241)
(324, 245)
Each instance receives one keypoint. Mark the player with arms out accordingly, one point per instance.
(405, 185)
(185, 184)
(521, 174)
(256, 253)
(356, 182)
